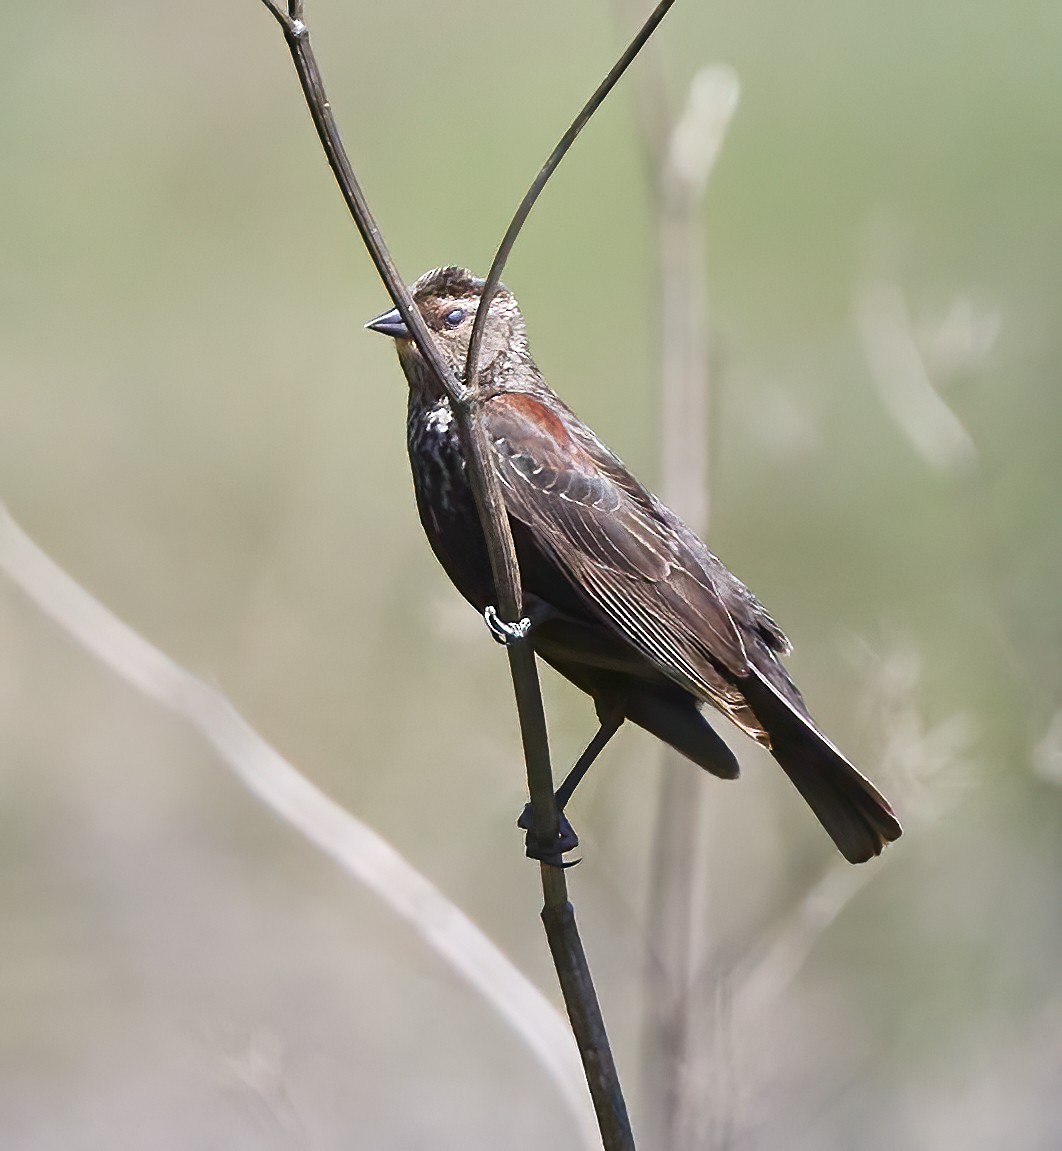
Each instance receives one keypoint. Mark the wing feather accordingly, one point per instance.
(619, 545)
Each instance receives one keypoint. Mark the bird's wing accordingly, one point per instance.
(650, 582)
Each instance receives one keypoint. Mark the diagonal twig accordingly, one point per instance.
(548, 168)
(290, 795)
(481, 474)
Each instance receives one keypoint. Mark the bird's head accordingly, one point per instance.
(448, 299)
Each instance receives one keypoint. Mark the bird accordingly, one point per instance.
(622, 598)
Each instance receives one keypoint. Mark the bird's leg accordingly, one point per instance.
(611, 722)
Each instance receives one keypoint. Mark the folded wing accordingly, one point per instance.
(650, 583)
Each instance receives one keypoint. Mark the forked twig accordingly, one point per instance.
(557, 914)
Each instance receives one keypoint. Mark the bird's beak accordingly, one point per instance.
(390, 324)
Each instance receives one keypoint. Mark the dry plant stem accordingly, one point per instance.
(547, 170)
(679, 865)
(678, 855)
(558, 917)
(352, 844)
(670, 906)
(580, 999)
(679, 153)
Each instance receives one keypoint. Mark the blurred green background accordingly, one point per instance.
(194, 424)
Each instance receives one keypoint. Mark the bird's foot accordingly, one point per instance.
(550, 853)
(505, 633)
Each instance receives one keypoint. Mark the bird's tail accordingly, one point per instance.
(856, 815)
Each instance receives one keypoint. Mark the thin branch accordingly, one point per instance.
(547, 170)
(359, 850)
(481, 474)
(283, 19)
(557, 914)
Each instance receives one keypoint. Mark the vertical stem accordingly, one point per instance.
(680, 154)
(584, 1011)
(679, 861)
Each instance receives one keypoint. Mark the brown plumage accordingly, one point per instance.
(626, 601)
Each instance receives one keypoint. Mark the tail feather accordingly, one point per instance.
(856, 815)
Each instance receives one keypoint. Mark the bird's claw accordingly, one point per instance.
(550, 853)
(505, 633)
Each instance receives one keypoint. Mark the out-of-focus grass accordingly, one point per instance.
(194, 424)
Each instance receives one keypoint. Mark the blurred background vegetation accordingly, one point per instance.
(194, 424)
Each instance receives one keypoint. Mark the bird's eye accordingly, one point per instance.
(454, 317)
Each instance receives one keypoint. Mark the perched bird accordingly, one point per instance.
(625, 601)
